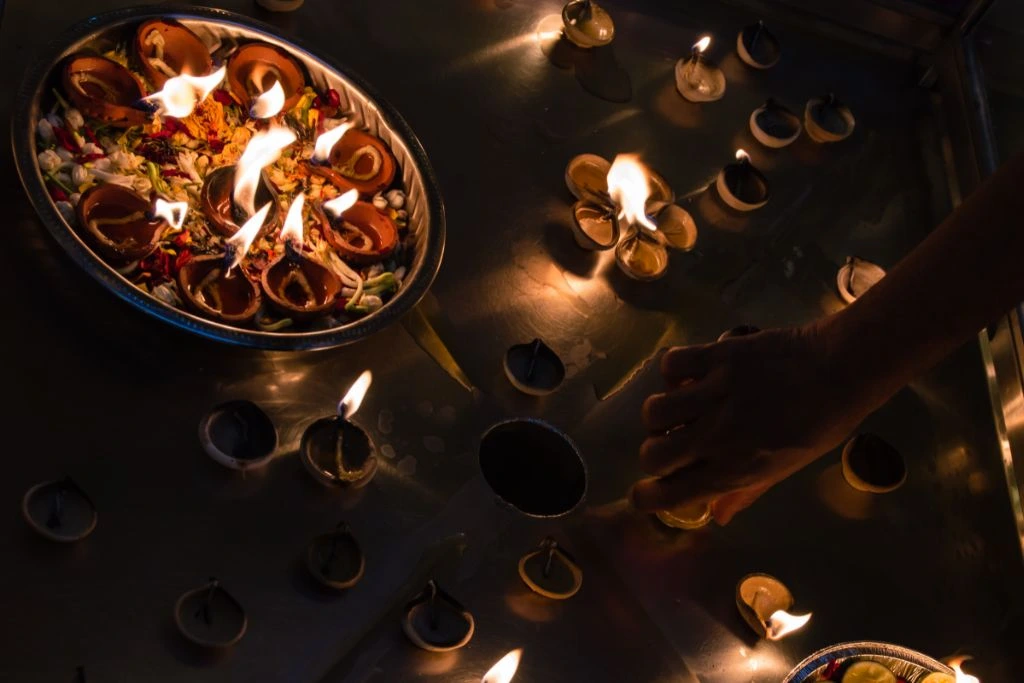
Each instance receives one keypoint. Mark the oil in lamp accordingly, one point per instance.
(256, 68)
(335, 559)
(642, 252)
(587, 24)
(337, 451)
(59, 510)
(504, 670)
(551, 571)
(757, 47)
(775, 126)
(210, 617)
(698, 79)
(534, 368)
(856, 277)
(165, 49)
(873, 465)
(741, 185)
(763, 602)
(828, 120)
(122, 225)
(104, 89)
(437, 622)
(238, 435)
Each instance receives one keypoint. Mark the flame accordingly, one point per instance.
(172, 212)
(328, 139)
(269, 103)
(292, 230)
(181, 94)
(962, 677)
(781, 623)
(342, 203)
(629, 187)
(353, 398)
(701, 45)
(246, 235)
(263, 150)
(504, 669)
(741, 155)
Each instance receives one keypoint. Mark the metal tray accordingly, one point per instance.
(905, 663)
(426, 210)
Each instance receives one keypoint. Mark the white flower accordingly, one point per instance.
(122, 180)
(104, 165)
(400, 274)
(142, 185)
(55, 120)
(396, 199)
(66, 211)
(92, 148)
(371, 302)
(45, 130)
(64, 154)
(124, 161)
(75, 197)
(49, 160)
(375, 270)
(380, 202)
(79, 176)
(74, 118)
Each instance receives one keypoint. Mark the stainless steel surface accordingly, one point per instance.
(111, 397)
(905, 663)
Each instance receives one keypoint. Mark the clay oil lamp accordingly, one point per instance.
(363, 160)
(504, 670)
(357, 230)
(698, 79)
(873, 465)
(166, 49)
(828, 120)
(210, 617)
(763, 602)
(534, 368)
(687, 518)
(104, 89)
(856, 277)
(741, 185)
(551, 571)
(677, 226)
(775, 126)
(59, 511)
(587, 24)
(436, 622)
(180, 95)
(238, 435)
(642, 253)
(595, 223)
(335, 559)
(208, 285)
(255, 68)
(586, 176)
(299, 286)
(122, 225)
(337, 451)
(757, 47)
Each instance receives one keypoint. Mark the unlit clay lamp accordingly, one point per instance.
(119, 223)
(758, 597)
(551, 571)
(103, 89)
(534, 368)
(873, 465)
(774, 125)
(364, 161)
(209, 616)
(757, 47)
(828, 120)
(335, 450)
(254, 68)
(688, 517)
(166, 49)
(856, 277)
(239, 435)
(697, 78)
(362, 233)
(741, 185)
(436, 622)
(219, 206)
(587, 24)
(335, 559)
(59, 510)
(738, 331)
(642, 254)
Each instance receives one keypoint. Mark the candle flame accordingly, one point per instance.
(292, 229)
(741, 155)
(246, 235)
(264, 149)
(269, 103)
(781, 623)
(342, 203)
(181, 94)
(701, 45)
(353, 398)
(629, 187)
(172, 212)
(962, 677)
(504, 669)
(328, 139)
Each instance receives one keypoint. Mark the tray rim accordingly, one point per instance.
(812, 664)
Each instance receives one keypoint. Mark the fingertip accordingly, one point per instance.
(649, 410)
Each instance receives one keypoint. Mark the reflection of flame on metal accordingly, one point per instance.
(342, 203)
(241, 241)
(172, 212)
(263, 150)
(741, 155)
(328, 139)
(781, 623)
(629, 186)
(292, 229)
(269, 103)
(702, 44)
(504, 669)
(353, 398)
(962, 677)
(181, 94)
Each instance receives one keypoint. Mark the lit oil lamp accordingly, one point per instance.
(298, 285)
(122, 225)
(210, 617)
(534, 368)
(437, 622)
(697, 78)
(587, 24)
(641, 253)
(182, 94)
(362, 159)
(59, 511)
(741, 185)
(551, 571)
(255, 68)
(104, 89)
(166, 49)
(238, 435)
(757, 47)
(856, 277)
(504, 670)
(828, 120)
(335, 559)
(763, 602)
(358, 230)
(961, 676)
(337, 451)
(775, 126)
(873, 465)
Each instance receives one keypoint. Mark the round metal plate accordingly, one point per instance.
(908, 664)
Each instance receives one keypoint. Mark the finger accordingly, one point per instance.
(662, 455)
(700, 483)
(685, 362)
(726, 507)
(662, 412)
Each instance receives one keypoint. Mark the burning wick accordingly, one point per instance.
(781, 623)
(181, 94)
(172, 212)
(629, 188)
(291, 233)
(699, 48)
(327, 140)
(353, 398)
(264, 149)
(269, 103)
(237, 246)
(962, 677)
(343, 203)
(505, 669)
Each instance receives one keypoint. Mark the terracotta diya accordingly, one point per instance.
(254, 68)
(551, 571)
(677, 226)
(758, 597)
(586, 176)
(774, 125)
(338, 452)
(688, 517)
(59, 510)
(741, 185)
(220, 208)
(872, 464)
(364, 161)
(166, 49)
(698, 79)
(642, 254)
(239, 435)
(828, 120)
(856, 277)
(207, 286)
(362, 233)
(104, 89)
(534, 368)
(757, 47)
(119, 223)
(587, 24)
(211, 617)
(335, 559)
(436, 622)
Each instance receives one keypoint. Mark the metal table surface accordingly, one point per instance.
(97, 390)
